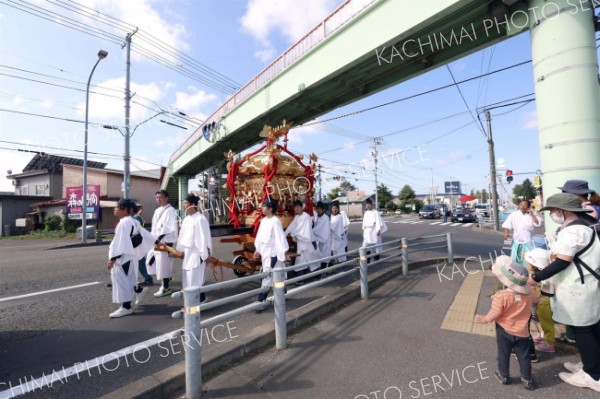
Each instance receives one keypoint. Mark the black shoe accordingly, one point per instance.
(534, 358)
(501, 379)
(262, 297)
(529, 385)
(148, 282)
(109, 285)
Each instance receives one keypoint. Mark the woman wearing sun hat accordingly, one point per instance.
(576, 302)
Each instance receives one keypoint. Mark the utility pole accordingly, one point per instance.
(320, 184)
(490, 141)
(127, 156)
(376, 142)
(432, 191)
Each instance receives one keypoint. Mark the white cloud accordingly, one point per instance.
(110, 110)
(47, 104)
(141, 13)
(530, 121)
(265, 17)
(13, 161)
(191, 102)
(296, 136)
(348, 146)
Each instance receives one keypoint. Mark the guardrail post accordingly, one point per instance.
(364, 278)
(279, 294)
(193, 349)
(450, 251)
(404, 257)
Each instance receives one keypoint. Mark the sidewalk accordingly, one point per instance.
(392, 346)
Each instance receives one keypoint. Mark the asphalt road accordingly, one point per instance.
(43, 333)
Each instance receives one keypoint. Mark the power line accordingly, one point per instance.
(47, 116)
(465, 101)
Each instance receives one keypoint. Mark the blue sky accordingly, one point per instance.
(239, 38)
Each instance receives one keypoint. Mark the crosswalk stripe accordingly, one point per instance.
(445, 223)
(455, 224)
(467, 224)
(435, 223)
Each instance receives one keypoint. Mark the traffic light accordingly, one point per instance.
(509, 176)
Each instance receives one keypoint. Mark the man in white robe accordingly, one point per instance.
(270, 243)
(322, 232)
(339, 230)
(301, 231)
(164, 227)
(122, 260)
(372, 228)
(195, 243)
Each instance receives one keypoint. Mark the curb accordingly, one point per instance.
(80, 245)
(167, 382)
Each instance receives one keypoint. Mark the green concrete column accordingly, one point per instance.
(565, 69)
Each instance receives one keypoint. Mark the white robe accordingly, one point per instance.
(121, 246)
(322, 232)
(164, 221)
(146, 245)
(301, 231)
(346, 223)
(371, 226)
(337, 236)
(270, 242)
(380, 236)
(196, 244)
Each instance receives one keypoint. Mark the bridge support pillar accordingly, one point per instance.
(567, 89)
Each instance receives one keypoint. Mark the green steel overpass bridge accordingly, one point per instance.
(365, 46)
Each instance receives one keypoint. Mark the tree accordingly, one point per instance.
(472, 194)
(384, 195)
(484, 196)
(347, 186)
(390, 206)
(334, 193)
(478, 195)
(523, 191)
(344, 187)
(406, 193)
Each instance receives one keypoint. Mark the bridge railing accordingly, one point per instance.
(338, 18)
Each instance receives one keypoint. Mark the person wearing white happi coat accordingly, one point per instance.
(270, 243)
(301, 231)
(123, 259)
(372, 227)
(164, 227)
(195, 243)
(346, 224)
(522, 223)
(322, 232)
(339, 231)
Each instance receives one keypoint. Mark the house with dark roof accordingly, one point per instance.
(43, 183)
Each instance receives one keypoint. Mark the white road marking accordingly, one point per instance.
(445, 223)
(455, 224)
(59, 375)
(434, 223)
(465, 224)
(48, 291)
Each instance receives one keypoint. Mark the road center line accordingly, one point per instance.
(48, 291)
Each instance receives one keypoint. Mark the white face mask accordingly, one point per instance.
(558, 219)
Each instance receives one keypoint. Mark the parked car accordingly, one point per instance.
(464, 215)
(430, 212)
(398, 212)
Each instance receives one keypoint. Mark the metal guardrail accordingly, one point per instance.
(368, 257)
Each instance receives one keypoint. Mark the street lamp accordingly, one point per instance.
(127, 157)
(101, 55)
